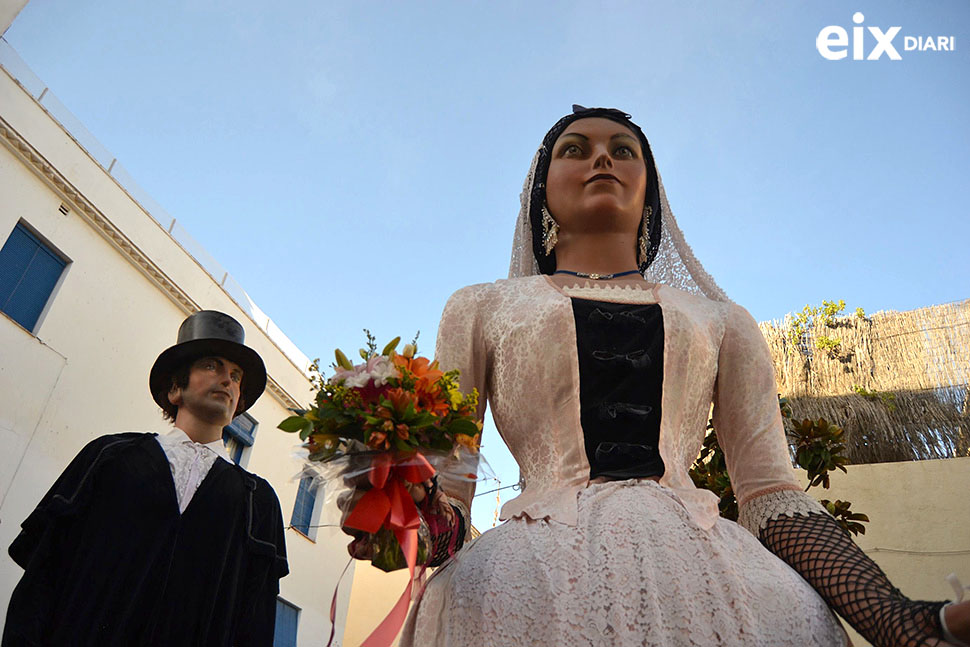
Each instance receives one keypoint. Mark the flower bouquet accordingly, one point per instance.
(384, 427)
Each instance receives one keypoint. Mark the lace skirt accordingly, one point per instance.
(634, 571)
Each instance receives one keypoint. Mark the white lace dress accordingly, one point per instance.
(631, 562)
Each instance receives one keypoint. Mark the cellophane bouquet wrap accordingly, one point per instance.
(377, 430)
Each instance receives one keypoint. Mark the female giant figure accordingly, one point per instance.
(600, 357)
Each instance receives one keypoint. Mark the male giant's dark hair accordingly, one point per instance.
(547, 264)
(180, 379)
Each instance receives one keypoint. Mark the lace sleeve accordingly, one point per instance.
(755, 513)
(460, 346)
(746, 412)
(816, 546)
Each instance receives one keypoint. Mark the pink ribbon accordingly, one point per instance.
(389, 505)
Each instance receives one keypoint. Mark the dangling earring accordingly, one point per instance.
(644, 243)
(550, 230)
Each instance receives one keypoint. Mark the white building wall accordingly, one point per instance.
(83, 372)
(8, 11)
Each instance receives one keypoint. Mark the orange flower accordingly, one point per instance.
(403, 431)
(378, 440)
(424, 370)
(400, 399)
(432, 402)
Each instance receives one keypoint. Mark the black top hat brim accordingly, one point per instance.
(171, 359)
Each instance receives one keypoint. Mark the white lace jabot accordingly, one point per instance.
(190, 462)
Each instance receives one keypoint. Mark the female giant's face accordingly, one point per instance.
(597, 178)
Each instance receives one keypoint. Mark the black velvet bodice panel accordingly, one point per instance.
(620, 349)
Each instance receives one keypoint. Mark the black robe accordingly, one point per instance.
(109, 560)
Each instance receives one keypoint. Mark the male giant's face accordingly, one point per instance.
(213, 390)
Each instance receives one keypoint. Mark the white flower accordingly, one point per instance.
(341, 375)
(357, 380)
(380, 369)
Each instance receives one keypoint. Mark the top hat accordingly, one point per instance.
(209, 333)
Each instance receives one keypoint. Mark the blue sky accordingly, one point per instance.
(351, 164)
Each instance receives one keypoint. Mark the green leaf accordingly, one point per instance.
(342, 360)
(423, 419)
(463, 426)
(391, 345)
(306, 431)
(294, 424)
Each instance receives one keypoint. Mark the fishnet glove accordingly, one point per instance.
(446, 537)
(818, 548)
(446, 523)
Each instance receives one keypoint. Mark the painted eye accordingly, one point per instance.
(624, 151)
(236, 377)
(572, 149)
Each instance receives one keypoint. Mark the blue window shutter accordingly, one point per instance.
(29, 270)
(306, 496)
(238, 435)
(236, 454)
(287, 617)
(242, 429)
(14, 258)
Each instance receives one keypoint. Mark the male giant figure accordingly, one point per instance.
(159, 540)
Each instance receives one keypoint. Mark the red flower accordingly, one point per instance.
(370, 394)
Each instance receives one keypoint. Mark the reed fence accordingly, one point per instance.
(897, 382)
